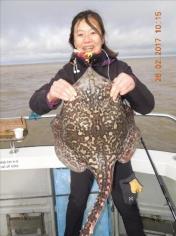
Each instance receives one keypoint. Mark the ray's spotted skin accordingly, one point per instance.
(94, 132)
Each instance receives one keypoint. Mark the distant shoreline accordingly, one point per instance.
(62, 62)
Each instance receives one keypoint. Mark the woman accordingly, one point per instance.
(87, 37)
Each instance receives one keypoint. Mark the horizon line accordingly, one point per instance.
(53, 61)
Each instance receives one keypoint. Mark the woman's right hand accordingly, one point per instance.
(61, 89)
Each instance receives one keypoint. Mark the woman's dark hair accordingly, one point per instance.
(86, 15)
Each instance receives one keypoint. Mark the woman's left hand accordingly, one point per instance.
(122, 84)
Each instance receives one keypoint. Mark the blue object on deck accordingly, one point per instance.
(34, 116)
(62, 190)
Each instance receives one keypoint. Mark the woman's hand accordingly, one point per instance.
(122, 84)
(61, 89)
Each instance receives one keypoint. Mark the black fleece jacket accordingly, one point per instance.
(140, 98)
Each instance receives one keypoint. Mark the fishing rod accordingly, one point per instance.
(161, 183)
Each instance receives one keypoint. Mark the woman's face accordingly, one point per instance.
(86, 39)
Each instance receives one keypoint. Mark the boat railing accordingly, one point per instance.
(161, 115)
(152, 114)
(35, 116)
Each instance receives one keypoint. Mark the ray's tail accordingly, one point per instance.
(104, 183)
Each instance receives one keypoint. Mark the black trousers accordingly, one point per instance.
(81, 184)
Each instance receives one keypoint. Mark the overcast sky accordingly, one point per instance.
(38, 30)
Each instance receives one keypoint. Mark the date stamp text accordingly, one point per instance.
(158, 46)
